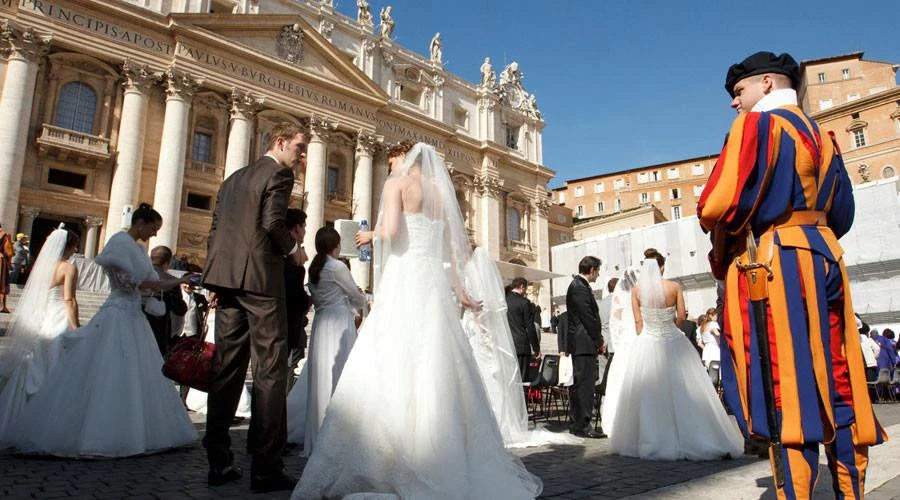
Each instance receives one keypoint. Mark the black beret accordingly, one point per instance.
(760, 63)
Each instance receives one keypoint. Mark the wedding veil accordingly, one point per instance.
(24, 332)
(438, 204)
(650, 283)
(621, 315)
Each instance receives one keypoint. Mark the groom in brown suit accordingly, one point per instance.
(248, 241)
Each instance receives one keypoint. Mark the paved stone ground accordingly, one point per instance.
(568, 472)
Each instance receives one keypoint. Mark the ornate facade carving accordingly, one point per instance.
(21, 42)
(321, 127)
(244, 104)
(488, 78)
(368, 46)
(367, 143)
(542, 205)
(513, 94)
(93, 221)
(289, 45)
(325, 28)
(137, 76)
(436, 49)
(29, 212)
(488, 185)
(179, 83)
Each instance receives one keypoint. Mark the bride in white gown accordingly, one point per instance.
(495, 354)
(409, 417)
(106, 396)
(622, 335)
(667, 409)
(47, 308)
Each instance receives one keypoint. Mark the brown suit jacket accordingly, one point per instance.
(249, 236)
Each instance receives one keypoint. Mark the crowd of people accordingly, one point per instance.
(418, 394)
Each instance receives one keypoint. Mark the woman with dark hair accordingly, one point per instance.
(47, 309)
(336, 298)
(106, 396)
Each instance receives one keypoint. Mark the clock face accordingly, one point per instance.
(513, 96)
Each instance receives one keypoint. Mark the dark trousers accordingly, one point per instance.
(523, 365)
(586, 369)
(601, 390)
(249, 326)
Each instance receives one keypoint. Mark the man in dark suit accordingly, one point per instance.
(248, 241)
(296, 299)
(689, 327)
(584, 343)
(520, 314)
(164, 327)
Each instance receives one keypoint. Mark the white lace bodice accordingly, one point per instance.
(419, 235)
(659, 322)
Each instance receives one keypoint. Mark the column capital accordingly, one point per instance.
(137, 77)
(93, 221)
(321, 127)
(366, 144)
(28, 211)
(244, 104)
(488, 185)
(23, 43)
(542, 204)
(180, 83)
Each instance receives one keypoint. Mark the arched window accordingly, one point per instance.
(76, 107)
(513, 224)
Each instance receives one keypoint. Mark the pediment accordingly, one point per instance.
(287, 39)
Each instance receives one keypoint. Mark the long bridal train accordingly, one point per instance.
(495, 354)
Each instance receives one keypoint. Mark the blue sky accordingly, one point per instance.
(629, 83)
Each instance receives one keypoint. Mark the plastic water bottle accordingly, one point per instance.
(365, 251)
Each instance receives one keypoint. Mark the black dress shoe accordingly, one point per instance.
(589, 433)
(218, 477)
(278, 481)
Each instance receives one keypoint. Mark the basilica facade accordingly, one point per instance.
(109, 103)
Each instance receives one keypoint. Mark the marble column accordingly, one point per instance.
(26, 219)
(23, 48)
(362, 196)
(180, 88)
(319, 131)
(126, 181)
(243, 107)
(490, 235)
(540, 238)
(93, 224)
(379, 175)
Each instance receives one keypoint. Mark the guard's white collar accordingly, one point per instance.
(776, 99)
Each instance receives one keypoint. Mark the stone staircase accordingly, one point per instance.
(88, 304)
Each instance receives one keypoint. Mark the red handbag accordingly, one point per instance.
(189, 362)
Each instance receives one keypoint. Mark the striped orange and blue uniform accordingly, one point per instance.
(781, 177)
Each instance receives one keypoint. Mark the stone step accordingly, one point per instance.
(88, 304)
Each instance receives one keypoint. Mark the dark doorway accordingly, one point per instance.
(45, 224)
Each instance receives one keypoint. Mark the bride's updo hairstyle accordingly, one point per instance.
(145, 214)
(72, 240)
(652, 253)
(400, 149)
(327, 239)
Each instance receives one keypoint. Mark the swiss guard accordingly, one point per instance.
(776, 203)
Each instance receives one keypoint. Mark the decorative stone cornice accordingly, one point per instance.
(366, 144)
(180, 84)
(23, 43)
(244, 104)
(438, 80)
(320, 127)
(487, 185)
(93, 221)
(137, 77)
